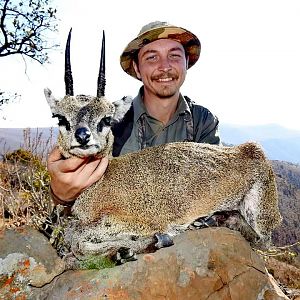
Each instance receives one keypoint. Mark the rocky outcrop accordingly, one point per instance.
(287, 274)
(26, 259)
(213, 263)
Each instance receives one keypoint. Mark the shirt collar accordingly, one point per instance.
(140, 109)
(138, 105)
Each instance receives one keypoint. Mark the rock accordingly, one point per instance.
(26, 259)
(212, 263)
(285, 274)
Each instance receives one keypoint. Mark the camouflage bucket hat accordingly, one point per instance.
(155, 31)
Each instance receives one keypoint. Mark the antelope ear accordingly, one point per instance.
(121, 107)
(50, 99)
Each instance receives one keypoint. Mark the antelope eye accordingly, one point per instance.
(106, 121)
(62, 121)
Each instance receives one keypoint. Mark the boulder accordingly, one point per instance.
(285, 274)
(26, 259)
(213, 263)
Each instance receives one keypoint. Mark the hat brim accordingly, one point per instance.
(189, 41)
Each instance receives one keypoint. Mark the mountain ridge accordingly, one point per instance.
(279, 143)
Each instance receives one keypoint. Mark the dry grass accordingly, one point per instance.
(285, 253)
(24, 182)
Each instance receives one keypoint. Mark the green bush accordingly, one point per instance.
(96, 262)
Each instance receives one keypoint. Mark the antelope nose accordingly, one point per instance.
(82, 135)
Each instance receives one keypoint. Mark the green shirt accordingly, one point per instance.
(156, 133)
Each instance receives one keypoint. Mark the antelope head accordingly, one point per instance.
(85, 121)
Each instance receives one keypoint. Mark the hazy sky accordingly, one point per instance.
(248, 72)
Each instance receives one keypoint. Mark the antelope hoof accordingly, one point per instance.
(125, 255)
(204, 223)
(163, 240)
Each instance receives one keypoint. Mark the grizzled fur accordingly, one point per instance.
(82, 111)
(161, 189)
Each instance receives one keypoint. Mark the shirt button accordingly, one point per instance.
(187, 118)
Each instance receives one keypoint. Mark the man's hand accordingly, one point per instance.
(69, 177)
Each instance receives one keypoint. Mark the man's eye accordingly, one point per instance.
(151, 58)
(106, 121)
(62, 121)
(175, 55)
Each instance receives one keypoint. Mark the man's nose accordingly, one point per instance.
(164, 64)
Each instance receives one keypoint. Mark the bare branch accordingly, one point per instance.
(4, 9)
(24, 27)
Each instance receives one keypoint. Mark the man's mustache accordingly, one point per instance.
(165, 75)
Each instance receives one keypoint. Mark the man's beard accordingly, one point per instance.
(166, 91)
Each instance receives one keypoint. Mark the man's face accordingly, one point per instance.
(162, 67)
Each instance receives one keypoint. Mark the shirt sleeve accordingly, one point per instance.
(206, 126)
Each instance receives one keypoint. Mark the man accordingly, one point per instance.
(159, 57)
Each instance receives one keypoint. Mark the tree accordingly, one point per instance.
(24, 25)
(6, 97)
(24, 29)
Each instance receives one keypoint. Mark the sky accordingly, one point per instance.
(248, 72)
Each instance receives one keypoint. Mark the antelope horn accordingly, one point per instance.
(101, 77)
(68, 71)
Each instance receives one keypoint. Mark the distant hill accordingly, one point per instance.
(278, 142)
(288, 185)
(14, 138)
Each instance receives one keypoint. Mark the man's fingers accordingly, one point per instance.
(72, 164)
(88, 167)
(54, 155)
(69, 177)
(64, 165)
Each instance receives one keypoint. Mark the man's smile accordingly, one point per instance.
(164, 79)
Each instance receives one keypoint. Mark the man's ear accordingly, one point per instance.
(137, 71)
(121, 107)
(187, 62)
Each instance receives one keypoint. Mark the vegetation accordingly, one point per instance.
(96, 262)
(24, 183)
(284, 253)
(24, 26)
(5, 97)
